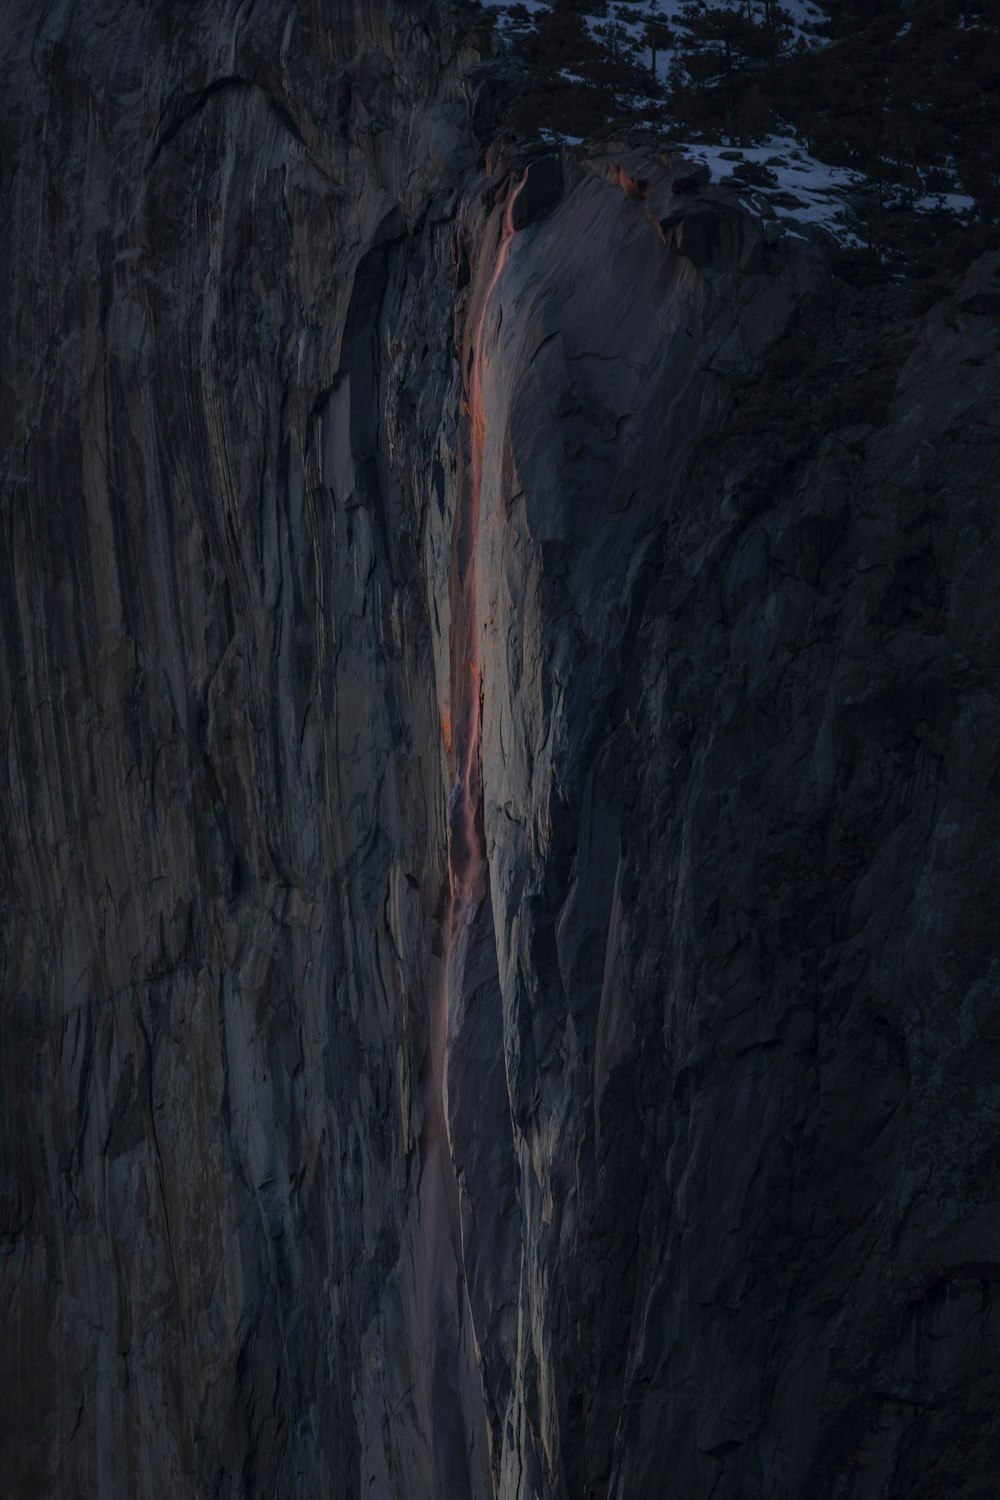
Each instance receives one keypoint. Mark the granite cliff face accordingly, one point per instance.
(497, 919)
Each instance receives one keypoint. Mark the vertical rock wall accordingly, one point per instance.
(739, 710)
(227, 309)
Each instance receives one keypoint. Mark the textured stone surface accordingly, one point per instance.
(223, 805)
(715, 1211)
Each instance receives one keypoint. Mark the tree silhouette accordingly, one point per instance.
(724, 46)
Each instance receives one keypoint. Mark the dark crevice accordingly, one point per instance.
(193, 103)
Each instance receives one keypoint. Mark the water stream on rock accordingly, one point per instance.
(467, 871)
(448, 1331)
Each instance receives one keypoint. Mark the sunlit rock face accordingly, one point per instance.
(497, 912)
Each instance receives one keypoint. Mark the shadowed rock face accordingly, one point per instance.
(715, 1209)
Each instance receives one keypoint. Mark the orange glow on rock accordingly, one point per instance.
(468, 876)
(633, 187)
(467, 870)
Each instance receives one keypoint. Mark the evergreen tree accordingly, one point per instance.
(723, 48)
(656, 34)
(561, 56)
(618, 73)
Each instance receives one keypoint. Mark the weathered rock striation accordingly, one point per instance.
(498, 959)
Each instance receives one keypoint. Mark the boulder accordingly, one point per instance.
(491, 88)
(541, 191)
(688, 176)
(755, 173)
(985, 304)
(786, 200)
(713, 236)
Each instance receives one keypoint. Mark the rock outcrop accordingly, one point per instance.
(498, 976)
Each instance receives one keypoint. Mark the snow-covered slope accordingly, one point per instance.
(777, 173)
(805, 16)
(797, 187)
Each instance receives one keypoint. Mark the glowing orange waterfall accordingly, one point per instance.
(466, 848)
(444, 1318)
(466, 845)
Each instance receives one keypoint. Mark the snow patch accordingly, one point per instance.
(804, 190)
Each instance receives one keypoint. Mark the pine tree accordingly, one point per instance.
(619, 73)
(722, 46)
(559, 52)
(656, 34)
